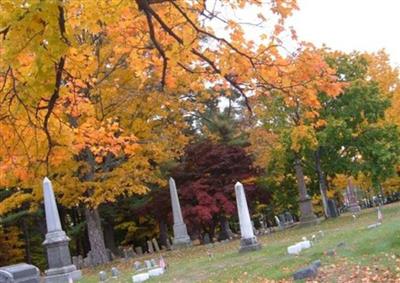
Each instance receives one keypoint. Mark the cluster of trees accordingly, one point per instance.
(110, 98)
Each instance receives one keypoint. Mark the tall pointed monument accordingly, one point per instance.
(248, 241)
(181, 237)
(59, 262)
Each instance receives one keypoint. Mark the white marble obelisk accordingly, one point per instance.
(181, 237)
(248, 241)
(60, 266)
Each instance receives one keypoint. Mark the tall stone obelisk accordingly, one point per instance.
(248, 241)
(181, 237)
(60, 266)
(352, 197)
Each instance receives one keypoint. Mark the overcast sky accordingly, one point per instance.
(366, 25)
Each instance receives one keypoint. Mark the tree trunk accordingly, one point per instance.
(97, 247)
(109, 237)
(321, 180)
(78, 238)
(211, 231)
(27, 238)
(163, 233)
(306, 210)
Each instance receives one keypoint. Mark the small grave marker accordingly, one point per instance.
(102, 276)
(156, 272)
(114, 272)
(148, 264)
(153, 262)
(141, 277)
(137, 265)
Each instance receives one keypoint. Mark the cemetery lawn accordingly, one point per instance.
(364, 253)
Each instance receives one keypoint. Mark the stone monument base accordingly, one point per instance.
(62, 275)
(354, 208)
(249, 245)
(181, 239)
(309, 220)
(179, 243)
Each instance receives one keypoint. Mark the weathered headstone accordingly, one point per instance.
(114, 272)
(109, 254)
(102, 276)
(206, 239)
(128, 252)
(150, 248)
(75, 261)
(148, 264)
(278, 222)
(137, 265)
(19, 273)
(139, 250)
(181, 237)
(153, 262)
(87, 261)
(289, 217)
(56, 242)
(155, 245)
(248, 241)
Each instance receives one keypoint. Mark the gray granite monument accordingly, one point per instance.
(60, 266)
(248, 241)
(351, 195)
(19, 273)
(181, 237)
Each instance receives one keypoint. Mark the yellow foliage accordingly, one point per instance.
(14, 201)
(262, 145)
(303, 136)
(11, 246)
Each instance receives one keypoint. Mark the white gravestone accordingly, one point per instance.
(248, 241)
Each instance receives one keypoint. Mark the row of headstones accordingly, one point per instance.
(284, 220)
(152, 247)
(149, 269)
(85, 262)
(126, 252)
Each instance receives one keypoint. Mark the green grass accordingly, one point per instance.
(368, 247)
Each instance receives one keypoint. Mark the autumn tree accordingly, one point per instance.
(290, 115)
(356, 139)
(206, 180)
